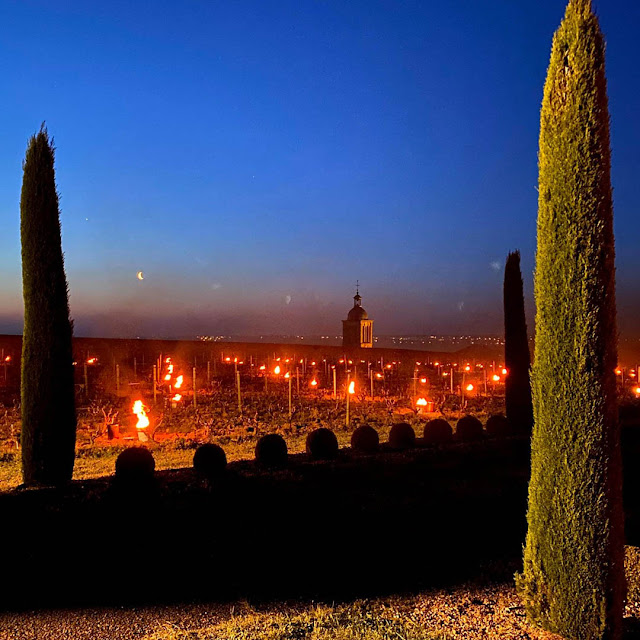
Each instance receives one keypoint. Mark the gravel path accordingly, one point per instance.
(490, 612)
(107, 623)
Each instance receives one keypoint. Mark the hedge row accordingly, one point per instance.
(136, 464)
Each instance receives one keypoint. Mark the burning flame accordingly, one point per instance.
(504, 372)
(352, 387)
(7, 359)
(313, 364)
(467, 368)
(277, 370)
(421, 402)
(178, 383)
(496, 378)
(92, 360)
(637, 391)
(176, 398)
(167, 377)
(170, 369)
(168, 360)
(138, 409)
(437, 364)
(378, 375)
(314, 383)
(287, 375)
(469, 387)
(262, 367)
(423, 380)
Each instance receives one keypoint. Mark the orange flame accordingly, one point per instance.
(496, 378)
(287, 375)
(167, 377)
(470, 387)
(423, 380)
(277, 370)
(421, 402)
(138, 409)
(262, 367)
(314, 383)
(176, 398)
(92, 360)
(504, 372)
(352, 387)
(178, 383)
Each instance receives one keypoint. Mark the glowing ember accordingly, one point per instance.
(170, 369)
(618, 372)
(7, 359)
(496, 378)
(504, 372)
(421, 402)
(277, 370)
(89, 361)
(313, 364)
(178, 383)
(287, 375)
(423, 380)
(378, 375)
(168, 360)
(469, 387)
(138, 409)
(167, 377)
(467, 368)
(314, 383)
(262, 367)
(176, 398)
(227, 359)
(637, 391)
(352, 387)
(436, 364)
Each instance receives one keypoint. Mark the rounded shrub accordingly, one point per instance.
(402, 436)
(438, 431)
(498, 425)
(135, 465)
(469, 428)
(209, 460)
(322, 444)
(365, 439)
(271, 450)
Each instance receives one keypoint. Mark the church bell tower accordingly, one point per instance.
(357, 329)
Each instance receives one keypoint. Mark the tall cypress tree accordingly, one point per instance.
(516, 348)
(48, 402)
(573, 581)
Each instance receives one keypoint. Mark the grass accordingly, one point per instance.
(98, 460)
(362, 620)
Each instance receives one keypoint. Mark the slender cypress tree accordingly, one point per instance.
(573, 581)
(48, 403)
(516, 348)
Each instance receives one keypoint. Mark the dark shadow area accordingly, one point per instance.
(358, 526)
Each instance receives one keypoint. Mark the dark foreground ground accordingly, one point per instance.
(359, 527)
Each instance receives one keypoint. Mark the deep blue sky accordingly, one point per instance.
(255, 158)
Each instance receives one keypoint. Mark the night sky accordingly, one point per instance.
(254, 159)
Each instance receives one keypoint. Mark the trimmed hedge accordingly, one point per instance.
(135, 465)
(402, 436)
(438, 431)
(498, 425)
(469, 428)
(209, 460)
(365, 439)
(322, 444)
(271, 451)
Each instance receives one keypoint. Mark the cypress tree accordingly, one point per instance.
(572, 581)
(516, 348)
(47, 386)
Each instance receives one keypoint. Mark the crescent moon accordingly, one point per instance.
(140, 275)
